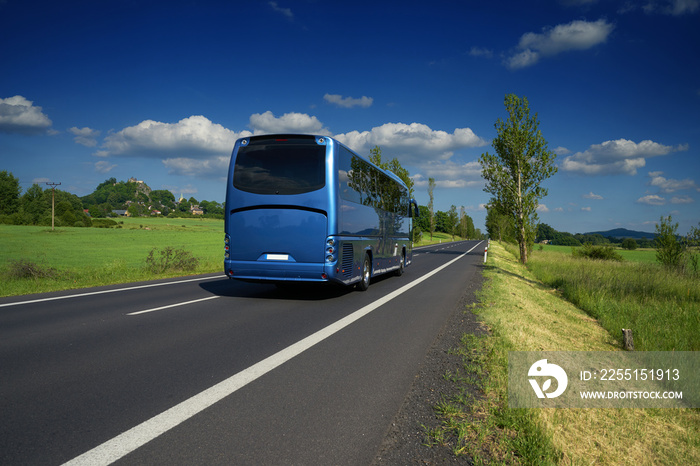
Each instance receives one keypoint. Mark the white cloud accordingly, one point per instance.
(542, 208)
(348, 102)
(286, 12)
(682, 200)
(666, 7)
(561, 150)
(671, 185)
(85, 136)
(592, 196)
(616, 157)
(19, 115)
(480, 52)
(413, 143)
(268, 123)
(586, 209)
(449, 174)
(213, 167)
(651, 199)
(195, 136)
(576, 35)
(103, 166)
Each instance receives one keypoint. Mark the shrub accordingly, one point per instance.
(669, 251)
(170, 259)
(103, 223)
(24, 268)
(605, 253)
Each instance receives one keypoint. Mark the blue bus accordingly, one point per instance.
(307, 208)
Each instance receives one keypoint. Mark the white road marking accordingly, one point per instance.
(115, 290)
(125, 443)
(172, 305)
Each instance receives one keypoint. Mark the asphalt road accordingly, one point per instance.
(205, 370)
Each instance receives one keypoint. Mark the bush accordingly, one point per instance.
(669, 251)
(103, 223)
(605, 253)
(170, 259)
(24, 268)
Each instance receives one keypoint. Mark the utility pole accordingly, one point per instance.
(53, 200)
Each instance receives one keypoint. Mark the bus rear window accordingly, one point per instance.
(280, 166)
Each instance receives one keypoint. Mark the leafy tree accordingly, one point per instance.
(669, 251)
(423, 222)
(452, 219)
(442, 222)
(545, 232)
(9, 193)
(211, 208)
(521, 163)
(466, 224)
(692, 244)
(499, 225)
(35, 205)
(629, 243)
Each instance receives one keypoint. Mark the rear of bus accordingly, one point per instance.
(279, 204)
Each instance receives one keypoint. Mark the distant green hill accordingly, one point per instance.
(622, 233)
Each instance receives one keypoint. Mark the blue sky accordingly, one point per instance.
(161, 90)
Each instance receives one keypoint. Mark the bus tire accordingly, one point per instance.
(402, 266)
(366, 274)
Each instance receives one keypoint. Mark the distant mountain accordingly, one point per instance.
(624, 233)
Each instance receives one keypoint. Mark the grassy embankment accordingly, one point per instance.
(84, 257)
(523, 314)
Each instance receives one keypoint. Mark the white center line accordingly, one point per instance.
(137, 436)
(172, 305)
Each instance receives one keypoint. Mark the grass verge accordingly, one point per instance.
(522, 314)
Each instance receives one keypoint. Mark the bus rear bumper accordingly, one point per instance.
(285, 271)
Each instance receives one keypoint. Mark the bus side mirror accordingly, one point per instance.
(415, 210)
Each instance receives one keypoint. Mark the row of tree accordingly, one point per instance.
(33, 207)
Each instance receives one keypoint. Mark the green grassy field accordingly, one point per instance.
(97, 256)
(661, 306)
(638, 255)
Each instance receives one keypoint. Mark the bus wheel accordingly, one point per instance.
(402, 266)
(366, 274)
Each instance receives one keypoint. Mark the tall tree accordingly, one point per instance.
(431, 206)
(453, 220)
(513, 175)
(9, 193)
